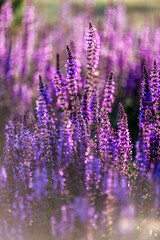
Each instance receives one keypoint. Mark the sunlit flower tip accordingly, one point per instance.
(90, 25)
(69, 53)
(121, 111)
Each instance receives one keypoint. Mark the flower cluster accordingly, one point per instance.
(66, 171)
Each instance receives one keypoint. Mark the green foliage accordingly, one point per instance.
(18, 6)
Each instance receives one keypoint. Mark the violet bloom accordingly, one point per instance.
(81, 125)
(124, 142)
(60, 85)
(146, 100)
(71, 76)
(46, 126)
(154, 87)
(96, 49)
(149, 117)
(90, 55)
(108, 97)
(89, 78)
(108, 143)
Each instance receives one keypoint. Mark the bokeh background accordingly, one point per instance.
(138, 10)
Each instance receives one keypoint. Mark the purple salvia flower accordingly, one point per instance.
(26, 150)
(24, 156)
(96, 50)
(108, 97)
(148, 132)
(89, 79)
(149, 117)
(105, 132)
(71, 75)
(155, 137)
(107, 143)
(93, 51)
(67, 139)
(90, 54)
(154, 87)
(124, 142)
(46, 125)
(60, 86)
(81, 126)
(42, 113)
(146, 100)
(95, 126)
(94, 108)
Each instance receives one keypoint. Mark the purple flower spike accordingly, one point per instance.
(124, 142)
(108, 97)
(154, 86)
(146, 100)
(60, 85)
(71, 75)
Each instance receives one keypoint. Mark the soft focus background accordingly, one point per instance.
(138, 10)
